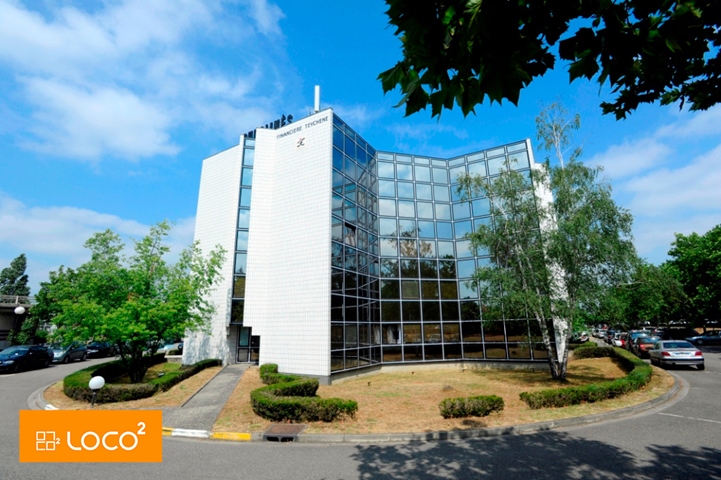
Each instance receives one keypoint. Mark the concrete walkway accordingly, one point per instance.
(200, 412)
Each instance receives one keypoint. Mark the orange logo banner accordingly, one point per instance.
(91, 436)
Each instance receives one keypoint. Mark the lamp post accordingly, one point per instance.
(95, 384)
(19, 311)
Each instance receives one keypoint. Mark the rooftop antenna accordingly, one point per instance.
(316, 104)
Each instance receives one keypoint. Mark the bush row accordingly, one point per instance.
(76, 387)
(638, 376)
(290, 397)
(574, 346)
(480, 406)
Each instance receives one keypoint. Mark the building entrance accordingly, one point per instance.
(248, 346)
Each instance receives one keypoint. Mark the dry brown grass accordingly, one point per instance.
(174, 397)
(408, 402)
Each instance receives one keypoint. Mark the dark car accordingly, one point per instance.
(708, 338)
(22, 357)
(101, 349)
(73, 351)
(642, 345)
(633, 335)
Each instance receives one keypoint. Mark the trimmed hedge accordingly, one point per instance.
(638, 376)
(574, 346)
(291, 397)
(480, 406)
(76, 387)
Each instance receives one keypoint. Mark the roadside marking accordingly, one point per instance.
(690, 418)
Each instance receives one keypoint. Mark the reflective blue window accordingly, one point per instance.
(245, 197)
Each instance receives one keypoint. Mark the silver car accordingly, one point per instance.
(676, 352)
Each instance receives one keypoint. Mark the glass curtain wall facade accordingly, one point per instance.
(243, 350)
(401, 288)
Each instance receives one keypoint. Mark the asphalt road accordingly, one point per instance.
(681, 439)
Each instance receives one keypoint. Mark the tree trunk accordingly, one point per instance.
(136, 372)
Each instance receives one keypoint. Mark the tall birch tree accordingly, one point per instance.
(557, 241)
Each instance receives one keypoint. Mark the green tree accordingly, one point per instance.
(697, 262)
(462, 51)
(134, 302)
(653, 295)
(13, 280)
(557, 243)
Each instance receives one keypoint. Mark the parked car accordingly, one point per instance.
(708, 338)
(73, 351)
(171, 346)
(676, 352)
(580, 337)
(101, 349)
(642, 345)
(632, 336)
(618, 339)
(22, 357)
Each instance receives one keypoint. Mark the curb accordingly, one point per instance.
(37, 402)
(185, 432)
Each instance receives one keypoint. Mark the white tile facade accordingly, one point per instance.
(288, 274)
(215, 223)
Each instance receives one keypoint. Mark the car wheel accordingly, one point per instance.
(85, 357)
(16, 368)
(701, 367)
(66, 359)
(47, 363)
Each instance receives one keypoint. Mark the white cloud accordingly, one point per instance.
(54, 236)
(84, 124)
(119, 80)
(358, 115)
(266, 16)
(698, 124)
(629, 158)
(669, 180)
(691, 187)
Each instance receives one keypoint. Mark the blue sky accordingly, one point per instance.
(107, 109)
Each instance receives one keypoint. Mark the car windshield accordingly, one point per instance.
(97, 345)
(673, 345)
(14, 351)
(649, 340)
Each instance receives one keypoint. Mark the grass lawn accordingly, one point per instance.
(408, 401)
(174, 397)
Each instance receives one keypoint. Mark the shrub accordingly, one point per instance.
(170, 379)
(76, 387)
(596, 352)
(480, 406)
(291, 397)
(639, 374)
(574, 346)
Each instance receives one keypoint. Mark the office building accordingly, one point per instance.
(344, 257)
